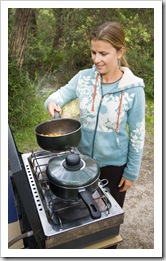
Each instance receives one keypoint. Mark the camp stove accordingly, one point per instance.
(58, 223)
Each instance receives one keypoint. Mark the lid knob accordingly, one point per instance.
(72, 162)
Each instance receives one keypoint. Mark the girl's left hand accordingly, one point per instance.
(125, 184)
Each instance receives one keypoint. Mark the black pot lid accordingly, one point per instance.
(73, 171)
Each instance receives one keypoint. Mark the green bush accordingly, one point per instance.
(24, 107)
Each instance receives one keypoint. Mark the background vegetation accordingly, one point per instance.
(48, 46)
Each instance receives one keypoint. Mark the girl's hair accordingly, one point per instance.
(113, 33)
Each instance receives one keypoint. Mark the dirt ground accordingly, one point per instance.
(137, 231)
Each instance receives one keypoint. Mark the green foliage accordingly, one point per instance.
(18, 86)
(140, 49)
(73, 52)
(24, 107)
(47, 66)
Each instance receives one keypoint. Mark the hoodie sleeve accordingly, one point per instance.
(65, 94)
(136, 123)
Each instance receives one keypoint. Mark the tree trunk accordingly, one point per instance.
(19, 37)
(33, 23)
(58, 13)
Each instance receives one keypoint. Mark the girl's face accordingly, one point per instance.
(105, 56)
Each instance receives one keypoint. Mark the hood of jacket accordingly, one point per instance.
(128, 80)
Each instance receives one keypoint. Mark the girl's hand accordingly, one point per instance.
(125, 184)
(52, 107)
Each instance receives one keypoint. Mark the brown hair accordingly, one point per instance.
(113, 33)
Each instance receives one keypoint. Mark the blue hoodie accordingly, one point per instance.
(112, 117)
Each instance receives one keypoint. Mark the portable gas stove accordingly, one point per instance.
(58, 223)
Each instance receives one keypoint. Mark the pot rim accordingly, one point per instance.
(76, 188)
(61, 119)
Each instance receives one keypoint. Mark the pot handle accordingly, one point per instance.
(91, 204)
(57, 115)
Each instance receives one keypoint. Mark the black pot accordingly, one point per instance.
(69, 130)
(75, 177)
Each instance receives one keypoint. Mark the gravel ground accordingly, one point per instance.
(137, 231)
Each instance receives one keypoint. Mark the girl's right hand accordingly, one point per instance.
(52, 107)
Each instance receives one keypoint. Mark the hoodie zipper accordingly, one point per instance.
(94, 94)
(97, 116)
(97, 119)
(119, 110)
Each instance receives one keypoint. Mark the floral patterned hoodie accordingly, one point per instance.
(113, 120)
